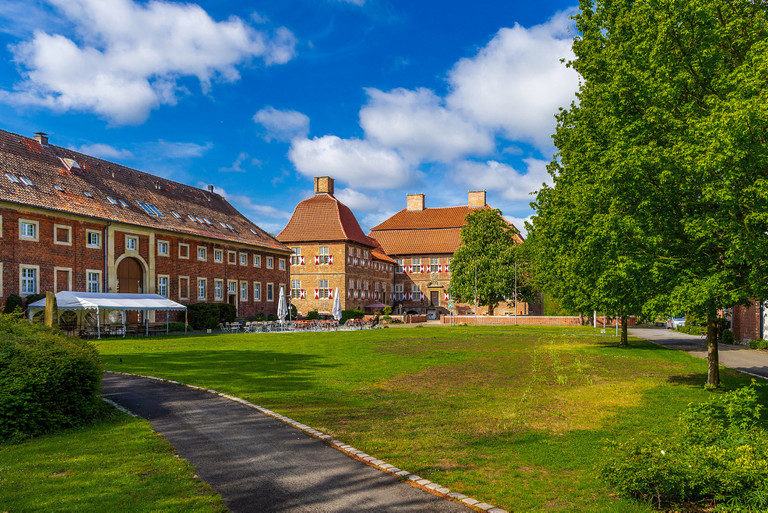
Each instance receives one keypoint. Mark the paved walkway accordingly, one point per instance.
(738, 357)
(258, 463)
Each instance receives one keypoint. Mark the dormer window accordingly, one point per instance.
(70, 164)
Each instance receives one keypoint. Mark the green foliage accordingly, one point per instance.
(727, 337)
(294, 313)
(719, 455)
(312, 315)
(204, 316)
(351, 314)
(47, 381)
(758, 344)
(485, 261)
(387, 310)
(12, 302)
(176, 326)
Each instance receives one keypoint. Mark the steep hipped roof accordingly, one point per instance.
(377, 252)
(428, 231)
(68, 181)
(322, 218)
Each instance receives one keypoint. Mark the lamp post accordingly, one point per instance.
(515, 292)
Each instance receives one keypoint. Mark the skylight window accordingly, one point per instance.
(87, 194)
(253, 231)
(230, 227)
(199, 220)
(207, 221)
(25, 180)
(123, 203)
(12, 178)
(176, 214)
(112, 200)
(146, 208)
(155, 210)
(59, 188)
(222, 224)
(191, 217)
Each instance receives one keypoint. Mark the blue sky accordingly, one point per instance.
(389, 97)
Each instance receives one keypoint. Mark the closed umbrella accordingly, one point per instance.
(282, 307)
(336, 312)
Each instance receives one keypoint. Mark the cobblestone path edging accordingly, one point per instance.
(350, 451)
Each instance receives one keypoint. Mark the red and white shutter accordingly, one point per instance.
(446, 297)
(301, 260)
(317, 293)
(317, 259)
(330, 259)
(330, 294)
(302, 294)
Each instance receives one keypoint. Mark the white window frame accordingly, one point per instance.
(256, 291)
(281, 264)
(416, 262)
(218, 289)
(218, 255)
(243, 258)
(160, 285)
(270, 262)
(56, 271)
(295, 256)
(65, 228)
(399, 291)
(399, 267)
(202, 286)
(23, 279)
(90, 273)
(135, 241)
(88, 234)
(243, 291)
(202, 250)
(295, 289)
(434, 264)
(270, 292)
(323, 289)
(231, 257)
(36, 228)
(230, 288)
(184, 279)
(324, 254)
(167, 244)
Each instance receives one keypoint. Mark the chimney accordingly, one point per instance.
(415, 202)
(324, 185)
(210, 188)
(42, 138)
(476, 199)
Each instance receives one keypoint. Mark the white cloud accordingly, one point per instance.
(516, 83)
(282, 125)
(245, 204)
(509, 182)
(519, 223)
(420, 127)
(104, 151)
(237, 165)
(128, 56)
(353, 2)
(165, 150)
(358, 163)
(355, 200)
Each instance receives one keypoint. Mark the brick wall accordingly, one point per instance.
(58, 261)
(746, 322)
(507, 320)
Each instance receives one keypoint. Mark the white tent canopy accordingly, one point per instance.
(99, 301)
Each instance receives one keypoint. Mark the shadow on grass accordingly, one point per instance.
(261, 370)
(694, 379)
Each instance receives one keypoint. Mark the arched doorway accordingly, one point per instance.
(130, 280)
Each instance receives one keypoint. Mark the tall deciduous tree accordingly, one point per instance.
(666, 153)
(488, 251)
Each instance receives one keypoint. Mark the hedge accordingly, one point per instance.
(202, 316)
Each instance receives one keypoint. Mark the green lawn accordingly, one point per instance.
(514, 416)
(116, 464)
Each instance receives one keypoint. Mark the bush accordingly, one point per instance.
(176, 326)
(47, 381)
(727, 336)
(350, 314)
(312, 315)
(387, 310)
(204, 316)
(758, 344)
(12, 302)
(720, 456)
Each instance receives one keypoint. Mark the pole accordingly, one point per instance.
(616, 322)
(594, 319)
(515, 292)
(475, 294)
(98, 323)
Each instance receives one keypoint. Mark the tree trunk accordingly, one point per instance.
(713, 374)
(491, 308)
(581, 318)
(624, 341)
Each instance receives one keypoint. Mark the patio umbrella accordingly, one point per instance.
(336, 311)
(282, 307)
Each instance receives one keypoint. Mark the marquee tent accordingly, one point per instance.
(99, 301)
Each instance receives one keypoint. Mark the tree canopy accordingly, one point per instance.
(659, 199)
(488, 250)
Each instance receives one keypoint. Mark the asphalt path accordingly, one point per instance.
(260, 464)
(739, 357)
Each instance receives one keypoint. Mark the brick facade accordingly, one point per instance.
(746, 323)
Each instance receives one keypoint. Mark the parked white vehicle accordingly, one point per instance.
(675, 322)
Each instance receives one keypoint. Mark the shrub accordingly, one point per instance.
(387, 310)
(312, 315)
(176, 326)
(227, 312)
(758, 344)
(47, 381)
(203, 316)
(12, 302)
(719, 456)
(350, 314)
(727, 336)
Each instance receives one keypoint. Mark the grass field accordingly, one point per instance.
(116, 464)
(515, 416)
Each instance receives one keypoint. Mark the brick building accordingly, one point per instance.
(330, 250)
(749, 323)
(69, 221)
(422, 242)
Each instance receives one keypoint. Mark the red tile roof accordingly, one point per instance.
(431, 231)
(378, 253)
(61, 178)
(322, 218)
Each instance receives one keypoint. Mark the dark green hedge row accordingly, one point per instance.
(47, 381)
(202, 316)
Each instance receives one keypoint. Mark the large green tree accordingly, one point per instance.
(665, 154)
(485, 260)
